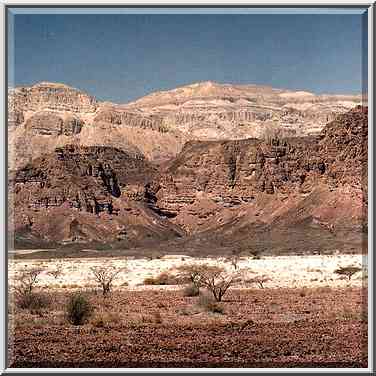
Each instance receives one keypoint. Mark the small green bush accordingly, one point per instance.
(78, 309)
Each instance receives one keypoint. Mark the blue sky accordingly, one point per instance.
(120, 57)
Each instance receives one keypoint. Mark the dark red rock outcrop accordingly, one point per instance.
(302, 194)
(86, 178)
(315, 181)
(86, 194)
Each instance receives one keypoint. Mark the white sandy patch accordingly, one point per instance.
(283, 271)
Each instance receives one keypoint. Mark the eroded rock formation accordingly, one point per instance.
(84, 171)
(158, 125)
(320, 179)
(52, 96)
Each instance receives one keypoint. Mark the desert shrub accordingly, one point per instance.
(25, 296)
(347, 271)
(208, 303)
(190, 273)
(259, 280)
(27, 280)
(216, 280)
(105, 276)
(33, 301)
(78, 309)
(191, 291)
(105, 319)
(162, 279)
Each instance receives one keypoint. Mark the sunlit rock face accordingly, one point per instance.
(158, 125)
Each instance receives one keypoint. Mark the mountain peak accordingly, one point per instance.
(56, 85)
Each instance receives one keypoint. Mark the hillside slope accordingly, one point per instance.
(281, 195)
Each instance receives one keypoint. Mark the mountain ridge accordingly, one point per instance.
(50, 115)
(280, 195)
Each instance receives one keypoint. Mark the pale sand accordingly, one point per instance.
(284, 271)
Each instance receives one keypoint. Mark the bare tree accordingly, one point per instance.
(190, 273)
(235, 257)
(25, 296)
(348, 271)
(27, 280)
(216, 280)
(260, 280)
(105, 276)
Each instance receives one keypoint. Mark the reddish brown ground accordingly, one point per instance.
(259, 328)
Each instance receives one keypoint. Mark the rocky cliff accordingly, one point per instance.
(246, 189)
(85, 194)
(51, 96)
(51, 115)
(209, 110)
(283, 194)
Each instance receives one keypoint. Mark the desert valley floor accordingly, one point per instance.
(304, 316)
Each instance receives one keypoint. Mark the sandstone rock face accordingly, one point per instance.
(49, 123)
(52, 96)
(52, 115)
(345, 147)
(15, 119)
(209, 110)
(86, 178)
(132, 119)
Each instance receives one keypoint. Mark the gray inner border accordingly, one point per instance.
(370, 12)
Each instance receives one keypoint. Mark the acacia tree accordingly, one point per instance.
(105, 276)
(27, 280)
(348, 271)
(235, 257)
(190, 273)
(214, 278)
(260, 280)
(217, 281)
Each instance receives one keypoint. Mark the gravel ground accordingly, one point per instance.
(321, 327)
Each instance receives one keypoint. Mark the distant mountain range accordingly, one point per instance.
(158, 125)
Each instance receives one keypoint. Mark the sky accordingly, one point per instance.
(121, 57)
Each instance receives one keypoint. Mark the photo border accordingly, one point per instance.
(371, 12)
